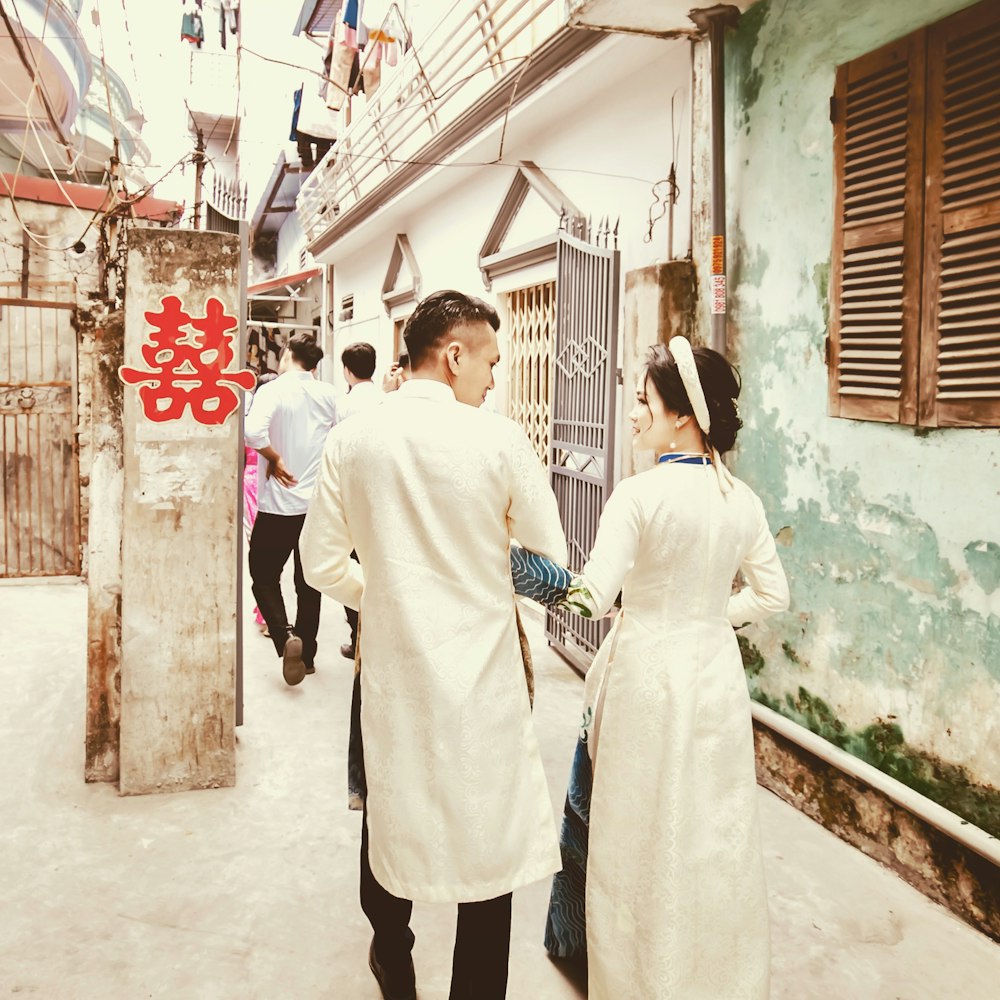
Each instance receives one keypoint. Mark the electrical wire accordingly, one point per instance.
(48, 163)
(106, 74)
(131, 52)
(39, 239)
(510, 103)
(666, 190)
(239, 94)
(34, 72)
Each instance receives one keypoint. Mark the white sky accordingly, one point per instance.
(153, 61)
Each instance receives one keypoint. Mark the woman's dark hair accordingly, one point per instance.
(720, 382)
(437, 315)
(264, 377)
(359, 359)
(305, 350)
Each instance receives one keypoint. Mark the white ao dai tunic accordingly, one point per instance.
(676, 901)
(430, 491)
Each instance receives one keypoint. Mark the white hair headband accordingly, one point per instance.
(680, 349)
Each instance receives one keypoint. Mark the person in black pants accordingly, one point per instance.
(482, 941)
(288, 423)
(274, 538)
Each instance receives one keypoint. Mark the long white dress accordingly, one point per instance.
(430, 491)
(676, 901)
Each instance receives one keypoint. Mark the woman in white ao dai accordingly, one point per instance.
(676, 904)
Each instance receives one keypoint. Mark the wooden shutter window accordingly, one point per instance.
(876, 267)
(960, 352)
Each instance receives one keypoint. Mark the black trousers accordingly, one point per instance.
(352, 615)
(274, 538)
(482, 936)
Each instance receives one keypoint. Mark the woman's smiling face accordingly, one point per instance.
(653, 427)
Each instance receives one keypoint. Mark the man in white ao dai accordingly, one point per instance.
(430, 490)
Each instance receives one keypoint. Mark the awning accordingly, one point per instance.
(288, 282)
(277, 201)
(317, 16)
(89, 197)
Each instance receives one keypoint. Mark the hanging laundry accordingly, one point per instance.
(371, 68)
(314, 126)
(351, 14)
(381, 19)
(296, 108)
(263, 348)
(229, 15)
(192, 28)
(342, 51)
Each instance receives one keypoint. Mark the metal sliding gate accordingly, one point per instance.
(39, 484)
(583, 415)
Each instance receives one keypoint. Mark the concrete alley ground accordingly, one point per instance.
(250, 893)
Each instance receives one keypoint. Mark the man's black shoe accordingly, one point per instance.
(310, 669)
(400, 986)
(293, 669)
(347, 651)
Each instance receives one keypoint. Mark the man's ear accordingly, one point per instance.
(453, 352)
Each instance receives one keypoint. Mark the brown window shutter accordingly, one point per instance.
(960, 349)
(877, 261)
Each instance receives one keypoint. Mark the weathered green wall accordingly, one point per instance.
(890, 536)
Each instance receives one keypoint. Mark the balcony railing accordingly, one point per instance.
(226, 203)
(476, 47)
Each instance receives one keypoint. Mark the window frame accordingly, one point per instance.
(919, 231)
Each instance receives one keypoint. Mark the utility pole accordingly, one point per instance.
(713, 21)
(199, 170)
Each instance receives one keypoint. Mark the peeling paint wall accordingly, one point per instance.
(890, 535)
(659, 303)
(104, 548)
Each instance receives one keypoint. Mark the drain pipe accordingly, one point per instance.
(713, 21)
(967, 834)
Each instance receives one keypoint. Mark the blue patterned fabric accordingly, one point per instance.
(566, 924)
(537, 577)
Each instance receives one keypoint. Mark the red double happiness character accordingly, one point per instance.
(186, 368)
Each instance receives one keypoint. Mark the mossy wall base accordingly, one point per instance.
(929, 860)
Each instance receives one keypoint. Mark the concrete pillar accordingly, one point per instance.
(659, 304)
(181, 502)
(104, 565)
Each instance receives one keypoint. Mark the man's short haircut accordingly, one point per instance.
(305, 350)
(359, 360)
(437, 315)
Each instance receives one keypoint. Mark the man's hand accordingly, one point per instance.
(277, 469)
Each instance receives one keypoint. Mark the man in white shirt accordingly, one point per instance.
(430, 490)
(359, 366)
(288, 424)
